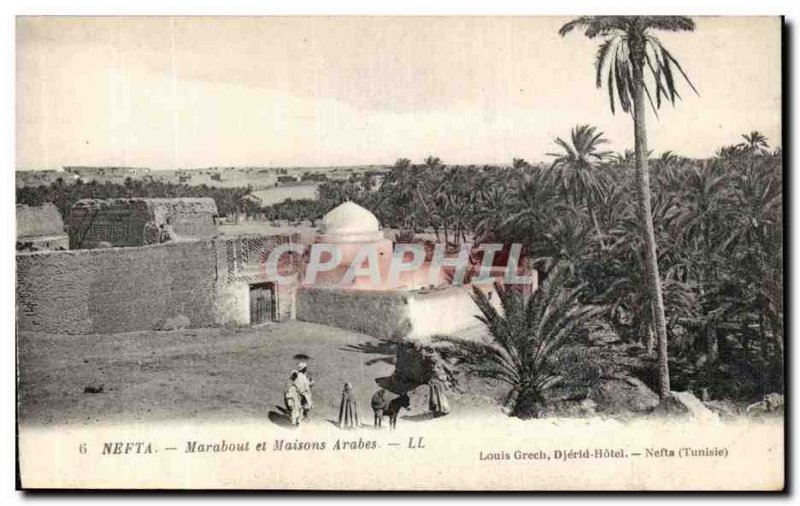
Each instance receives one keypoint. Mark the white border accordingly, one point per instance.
(9, 9)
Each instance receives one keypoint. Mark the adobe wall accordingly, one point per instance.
(444, 311)
(382, 314)
(116, 290)
(412, 315)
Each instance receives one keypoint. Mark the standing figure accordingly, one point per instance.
(378, 405)
(304, 384)
(437, 402)
(348, 410)
(291, 398)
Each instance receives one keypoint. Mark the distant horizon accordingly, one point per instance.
(234, 167)
(179, 93)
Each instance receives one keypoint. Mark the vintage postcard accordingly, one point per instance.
(400, 253)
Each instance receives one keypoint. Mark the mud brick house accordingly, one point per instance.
(208, 282)
(138, 221)
(40, 228)
(124, 274)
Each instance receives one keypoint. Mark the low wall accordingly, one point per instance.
(443, 311)
(117, 289)
(381, 314)
(413, 315)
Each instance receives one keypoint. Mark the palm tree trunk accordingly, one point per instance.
(649, 341)
(646, 217)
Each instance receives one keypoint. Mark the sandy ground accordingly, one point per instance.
(207, 374)
(169, 389)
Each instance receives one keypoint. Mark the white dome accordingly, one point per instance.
(349, 222)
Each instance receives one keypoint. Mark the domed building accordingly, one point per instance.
(352, 233)
(410, 306)
(348, 223)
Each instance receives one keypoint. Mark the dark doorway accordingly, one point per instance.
(262, 303)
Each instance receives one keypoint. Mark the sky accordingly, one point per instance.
(190, 92)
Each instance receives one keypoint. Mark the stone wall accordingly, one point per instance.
(116, 290)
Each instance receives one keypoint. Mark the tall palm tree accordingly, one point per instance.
(434, 162)
(730, 153)
(576, 168)
(755, 142)
(668, 157)
(629, 52)
(519, 163)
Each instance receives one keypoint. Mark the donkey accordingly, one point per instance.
(394, 407)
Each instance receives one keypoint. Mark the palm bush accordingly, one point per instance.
(532, 343)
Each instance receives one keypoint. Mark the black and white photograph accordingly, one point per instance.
(408, 253)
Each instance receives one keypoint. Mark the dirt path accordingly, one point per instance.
(201, 374)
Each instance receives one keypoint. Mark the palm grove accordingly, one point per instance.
(681, 255)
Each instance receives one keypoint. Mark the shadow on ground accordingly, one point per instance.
(382, 347)
(392, 384)
(421, 417)
(280, 419)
